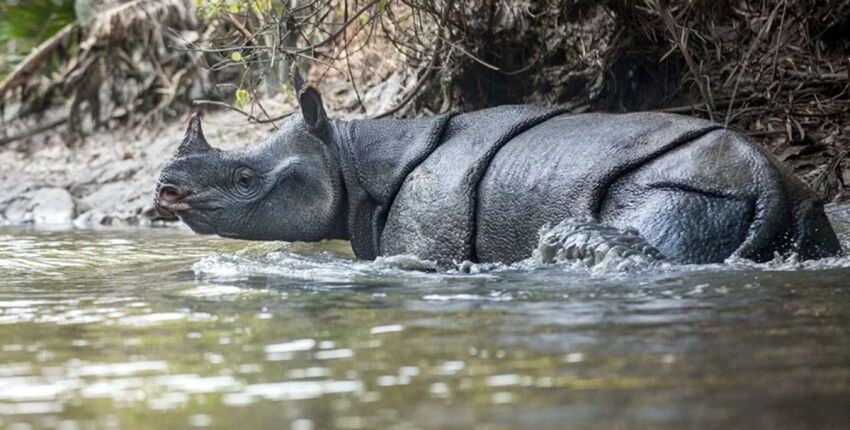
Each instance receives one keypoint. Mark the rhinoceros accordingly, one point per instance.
(478, 186)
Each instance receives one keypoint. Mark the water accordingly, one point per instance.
(159, 328)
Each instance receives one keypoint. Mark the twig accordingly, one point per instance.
(743, 63)
(432, 66)
(680, 40)
(339, 31)
(28, 133)
(410, 96)
(251, 118)
(35, 59)
(249, 38)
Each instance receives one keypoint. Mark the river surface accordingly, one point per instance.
(159, 328)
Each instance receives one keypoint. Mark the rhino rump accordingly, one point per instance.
(697, 192)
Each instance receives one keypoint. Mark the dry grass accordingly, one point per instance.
(123, 65)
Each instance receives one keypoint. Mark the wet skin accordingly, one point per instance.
(479, 186)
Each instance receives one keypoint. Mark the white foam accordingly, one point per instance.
(296, 390)
(292, 346)
(392, 328)
(120, 369)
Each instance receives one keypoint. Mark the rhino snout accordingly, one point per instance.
(169, 199)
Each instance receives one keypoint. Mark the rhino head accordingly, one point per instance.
(289, 188)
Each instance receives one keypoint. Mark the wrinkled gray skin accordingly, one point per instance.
(479, 186)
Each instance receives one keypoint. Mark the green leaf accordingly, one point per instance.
(236, 57)
(243, 97)
(235, 7)
(262, 6)
(29, 23)
(34, 21)
(210, 9)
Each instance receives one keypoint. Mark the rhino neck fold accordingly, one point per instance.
(375, 157)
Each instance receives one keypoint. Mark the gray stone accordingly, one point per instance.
(383, 95)
(52, 206)
(119, 171)
(17, 212)
(89, 219)
(107, 198)
(14, 186)
(113, 172)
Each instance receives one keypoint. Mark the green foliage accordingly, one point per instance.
(211, 9)
(30, 22)
(243, 97)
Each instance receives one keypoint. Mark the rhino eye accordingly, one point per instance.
(245, 181)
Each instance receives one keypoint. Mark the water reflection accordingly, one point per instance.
(164, 329)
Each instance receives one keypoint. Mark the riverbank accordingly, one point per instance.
(109, 178)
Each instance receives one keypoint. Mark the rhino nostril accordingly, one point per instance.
(171, 194)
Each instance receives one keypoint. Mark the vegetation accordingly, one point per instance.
(127, 63)
(777, 70)
(26, 24)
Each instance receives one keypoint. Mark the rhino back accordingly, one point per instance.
(694, 190)
(562, 169)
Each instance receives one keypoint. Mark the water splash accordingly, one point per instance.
(602, 249)
(578, 246)
(314, 264)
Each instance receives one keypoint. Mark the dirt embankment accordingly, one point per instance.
(778, 72)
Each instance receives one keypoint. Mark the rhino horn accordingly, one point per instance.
(194, 141)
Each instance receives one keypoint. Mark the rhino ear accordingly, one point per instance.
(310, 100)
(194, 141)
(312, 109)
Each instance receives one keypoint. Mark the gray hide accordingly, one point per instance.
(479, 186)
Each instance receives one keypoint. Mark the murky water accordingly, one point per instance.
(159, 328)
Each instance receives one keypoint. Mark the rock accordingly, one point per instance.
(381, 97)
(89, 219)
(17, 212)
(112, 172)
(119, 171)
(46, 206)
(51, 206)
(14, 186)
(107, 198)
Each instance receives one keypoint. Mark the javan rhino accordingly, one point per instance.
(479, 186)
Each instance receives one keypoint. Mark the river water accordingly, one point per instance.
(159, 328)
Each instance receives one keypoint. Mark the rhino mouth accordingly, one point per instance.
(169, 200)
(171, 210)
(195, 218)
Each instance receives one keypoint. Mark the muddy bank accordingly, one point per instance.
(108, 180)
